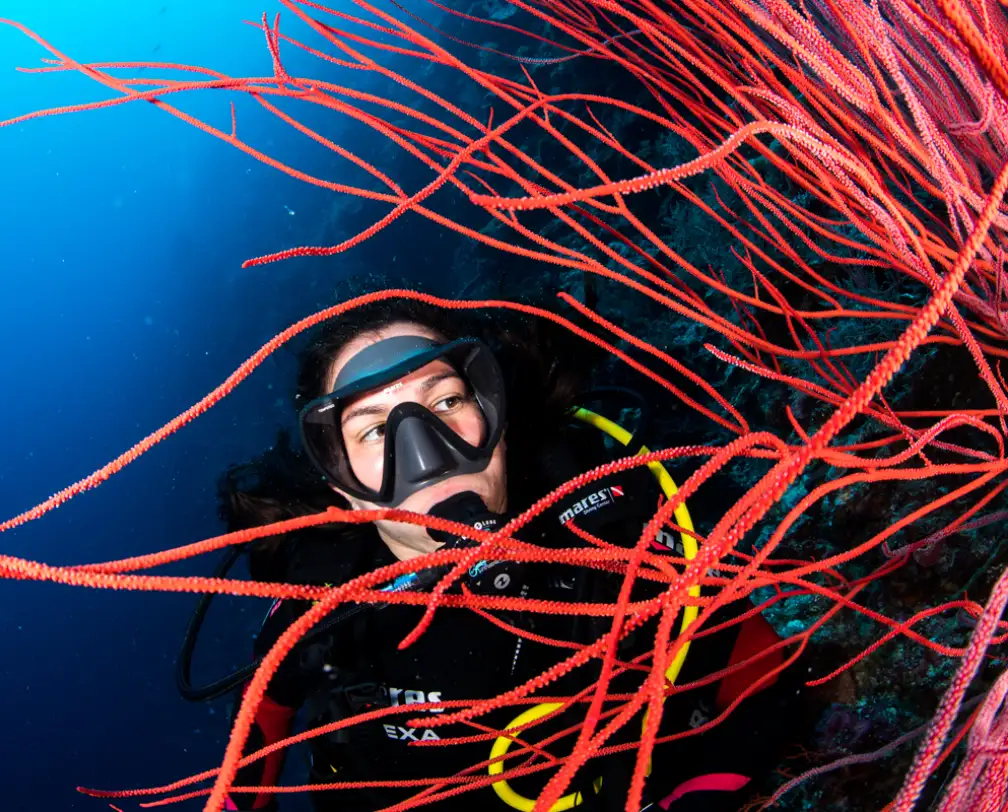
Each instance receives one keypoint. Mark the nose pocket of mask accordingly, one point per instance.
(421, 452)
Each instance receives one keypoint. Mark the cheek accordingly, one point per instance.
(497, 475)
(469, 425)
(367, 463)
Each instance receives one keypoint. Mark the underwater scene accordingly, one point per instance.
(488, 405)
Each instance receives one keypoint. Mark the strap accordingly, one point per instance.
(273, 722)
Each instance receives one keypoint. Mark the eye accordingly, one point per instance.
(449, 403)
(373, 435)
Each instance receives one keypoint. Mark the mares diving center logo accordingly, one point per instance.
(592, 502)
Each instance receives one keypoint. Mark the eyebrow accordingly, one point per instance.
(428, 383)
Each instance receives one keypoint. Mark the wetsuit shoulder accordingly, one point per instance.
(315, 558)
(318, 559)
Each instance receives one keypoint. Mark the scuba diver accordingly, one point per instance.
(400, 405)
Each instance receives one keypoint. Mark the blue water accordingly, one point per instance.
(122, 302)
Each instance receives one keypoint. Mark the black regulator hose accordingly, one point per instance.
(183, 667)
(234, 680)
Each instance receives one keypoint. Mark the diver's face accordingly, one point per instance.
(439, 388)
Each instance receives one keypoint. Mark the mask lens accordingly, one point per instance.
(323, 439)
(363, 439)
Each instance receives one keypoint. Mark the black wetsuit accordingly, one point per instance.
(358, 667)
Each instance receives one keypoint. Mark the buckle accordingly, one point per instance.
(365, 696)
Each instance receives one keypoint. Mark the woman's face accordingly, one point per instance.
(439, 388)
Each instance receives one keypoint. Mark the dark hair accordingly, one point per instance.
(542, 377)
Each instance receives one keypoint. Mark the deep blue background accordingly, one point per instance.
(122, 302)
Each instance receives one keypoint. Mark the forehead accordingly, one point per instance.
(366, 339)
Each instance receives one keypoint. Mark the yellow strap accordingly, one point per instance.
(682, 516)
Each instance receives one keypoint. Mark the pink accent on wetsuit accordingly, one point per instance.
(716, 782)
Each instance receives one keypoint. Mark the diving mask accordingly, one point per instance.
(419, 447)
